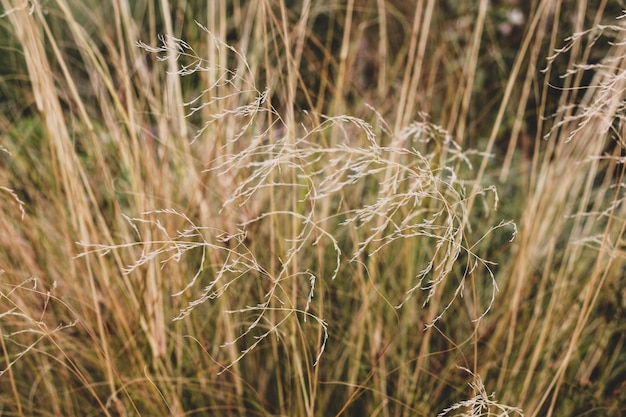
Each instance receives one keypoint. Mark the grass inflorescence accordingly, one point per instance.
(383, 208)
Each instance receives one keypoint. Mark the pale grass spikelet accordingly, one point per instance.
(237, 81)
(20, 203)
(274, 328)
(25, 328)
(604, 97)
(237, 261)
(26, 4)
(482, 404)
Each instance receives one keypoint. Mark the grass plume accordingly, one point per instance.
(379, 207)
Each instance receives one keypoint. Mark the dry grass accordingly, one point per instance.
(312, 209)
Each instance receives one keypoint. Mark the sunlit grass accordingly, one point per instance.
(379, 208)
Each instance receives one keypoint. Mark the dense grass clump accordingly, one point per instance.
(380, 208)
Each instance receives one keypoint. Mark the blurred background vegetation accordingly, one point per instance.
(120, 170)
